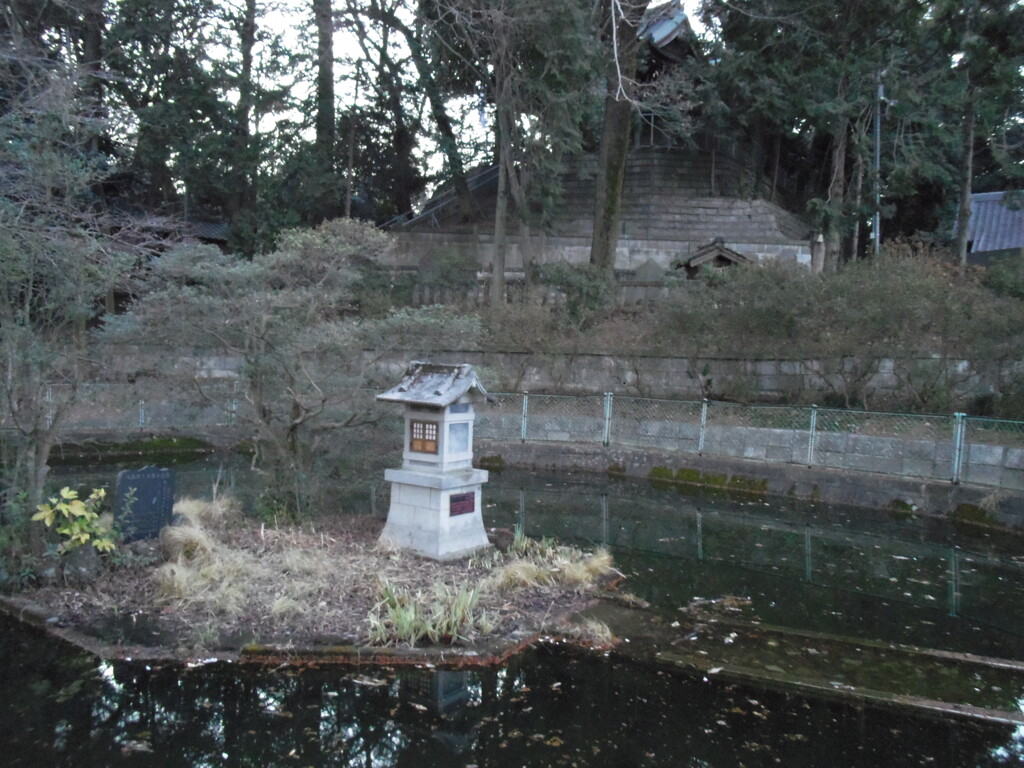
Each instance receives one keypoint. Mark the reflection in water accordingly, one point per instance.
(549, 707)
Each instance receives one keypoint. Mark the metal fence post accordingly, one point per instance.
(959, 433)
(808, 568)
(703, 425)
(142, 414)
(812, 435)
(606, 435)
(954, 582)
(526, 410)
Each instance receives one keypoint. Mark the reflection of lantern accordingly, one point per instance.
(435, 496)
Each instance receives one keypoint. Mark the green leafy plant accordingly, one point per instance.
(446, 616)
(587, 289)
(77, 521)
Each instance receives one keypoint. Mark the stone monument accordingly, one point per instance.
(143, 502)
(435, 497)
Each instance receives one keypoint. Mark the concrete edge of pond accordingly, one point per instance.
(929, 653)
(481, 654)
(651, 643)
(844, 693)
(727, 475)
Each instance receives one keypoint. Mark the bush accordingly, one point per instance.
(1006, 276)
(449, 269)
(586, 287)
(77, 521)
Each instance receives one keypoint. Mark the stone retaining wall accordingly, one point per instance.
(832, 486)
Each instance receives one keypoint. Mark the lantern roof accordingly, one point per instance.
(436, 384)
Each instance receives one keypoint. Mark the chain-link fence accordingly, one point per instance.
(650, 423)
(953, 447)
(992, 452)
(904, 444)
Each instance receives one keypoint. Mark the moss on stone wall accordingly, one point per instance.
(737, 486)
(492, 463)
(972, 513)
(155, 450)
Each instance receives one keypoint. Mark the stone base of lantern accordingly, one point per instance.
(436, 515)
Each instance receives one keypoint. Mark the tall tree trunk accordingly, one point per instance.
(92, 59)
(242, 156)
(615, 135)
(500, 227)
(324, 121)
(610, 181)
(963, 216)
(403, 139)
(776, 162)
(446, 141)
(836, 197)
(509, 185)
(858, 194)
(350, 162)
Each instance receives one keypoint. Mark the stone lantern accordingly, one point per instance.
(435, 497)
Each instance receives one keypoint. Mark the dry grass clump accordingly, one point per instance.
(207, 574)
(208, 514)
(217, 581)
(543, 563)
(185, 543)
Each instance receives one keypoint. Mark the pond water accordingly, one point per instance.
(548, 707)
(890, 578)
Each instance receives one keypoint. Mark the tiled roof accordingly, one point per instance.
(436, 384)
(995, 223)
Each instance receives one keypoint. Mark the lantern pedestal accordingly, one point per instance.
(436, 515)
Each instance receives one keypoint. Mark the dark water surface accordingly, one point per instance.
(877, 575)
(549, 707)
(894, 578)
